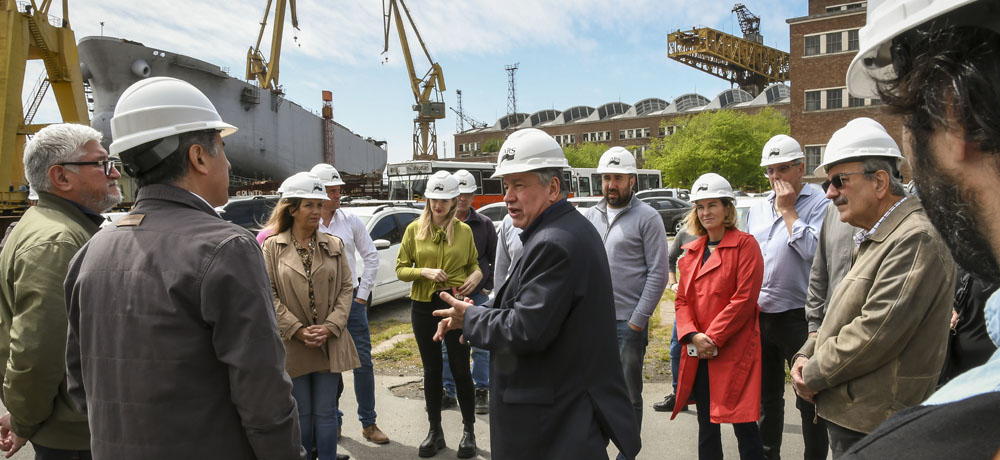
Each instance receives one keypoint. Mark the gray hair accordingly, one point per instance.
(872, 164)
(545, 176)
(52, 145)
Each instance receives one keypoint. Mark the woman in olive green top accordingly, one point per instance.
(438, 254)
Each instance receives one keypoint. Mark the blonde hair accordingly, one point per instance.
(694, 226)
(426, 223)
(281, 216)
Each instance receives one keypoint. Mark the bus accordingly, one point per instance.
(408, 179)
(587, 182)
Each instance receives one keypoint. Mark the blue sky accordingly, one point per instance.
(571, 52)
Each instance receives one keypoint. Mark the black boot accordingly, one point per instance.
(433, 443)
(467, 446)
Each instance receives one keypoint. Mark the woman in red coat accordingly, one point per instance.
(721, 274)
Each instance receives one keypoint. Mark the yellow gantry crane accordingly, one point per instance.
(426, 90)
(29, 32)
(745, 61)
(265, 72)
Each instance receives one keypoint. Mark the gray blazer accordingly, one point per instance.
(830, 264)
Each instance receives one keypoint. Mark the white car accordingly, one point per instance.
(495, 212)
(386, 225)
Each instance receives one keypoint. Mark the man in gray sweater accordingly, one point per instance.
(636, 243)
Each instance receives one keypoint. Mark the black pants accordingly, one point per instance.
(710, 434)
(424, 326)
(46, 453)
(781, 336)
(841, 439)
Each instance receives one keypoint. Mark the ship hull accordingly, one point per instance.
(276, 136)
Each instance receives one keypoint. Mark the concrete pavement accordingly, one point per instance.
(405, 421)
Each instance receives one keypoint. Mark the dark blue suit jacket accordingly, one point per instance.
(556, 382)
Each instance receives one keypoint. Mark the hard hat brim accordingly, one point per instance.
(439, 195)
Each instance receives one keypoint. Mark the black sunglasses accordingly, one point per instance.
(108, 164)
(837, 181)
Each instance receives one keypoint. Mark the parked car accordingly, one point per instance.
(743, 205)
(495, 212)
(679, 193)
(672, 211)
(385, 224)
(249, 212)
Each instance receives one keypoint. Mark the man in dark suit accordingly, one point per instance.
(555, 375)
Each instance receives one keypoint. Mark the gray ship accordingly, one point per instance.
(276, 137)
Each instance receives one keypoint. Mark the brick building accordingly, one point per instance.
(822, 47)
(816, 102)
(617, 123)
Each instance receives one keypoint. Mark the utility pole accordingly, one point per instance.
(511, 91)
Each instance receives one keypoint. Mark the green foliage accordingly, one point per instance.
(586, 155)
(492, 146)
(726, 142)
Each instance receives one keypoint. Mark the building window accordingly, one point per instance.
(812, 45)
(813, 100)
(833, 42)
(814, 156)
(621, 134)
(834, 98)
(662, 131)
(876, 102)
(852, 40)
(855, 101)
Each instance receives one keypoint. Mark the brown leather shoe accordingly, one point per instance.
(373, 434)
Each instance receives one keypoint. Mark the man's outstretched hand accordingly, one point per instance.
(453, 317)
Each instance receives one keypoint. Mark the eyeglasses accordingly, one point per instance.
(837, 181)
(108, 164)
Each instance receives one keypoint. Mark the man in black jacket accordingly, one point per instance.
(555, 375)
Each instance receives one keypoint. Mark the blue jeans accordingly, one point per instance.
(316, 397)
(364, 376)
(480, 360)
(632, 351)
(675, 357)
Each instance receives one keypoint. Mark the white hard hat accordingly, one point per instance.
(617, 160)
(711, 185)
(159, 108)
(781, 149)
(441, 186)
(888, 19)
(328, 174)
(466, 181)
(860, 138)
(529, 149)
(303, 185)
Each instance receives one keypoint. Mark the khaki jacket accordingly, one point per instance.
(33, 323)
(333, 289)
(882, 343)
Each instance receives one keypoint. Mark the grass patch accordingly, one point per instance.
(403, 350)
(656, 366)
(386, 330)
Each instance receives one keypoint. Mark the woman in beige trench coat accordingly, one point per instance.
(311, 283)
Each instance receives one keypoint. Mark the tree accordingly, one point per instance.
(726, 142)
(585, 156)
(492, 146)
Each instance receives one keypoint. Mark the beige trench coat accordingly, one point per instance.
(333, 290)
